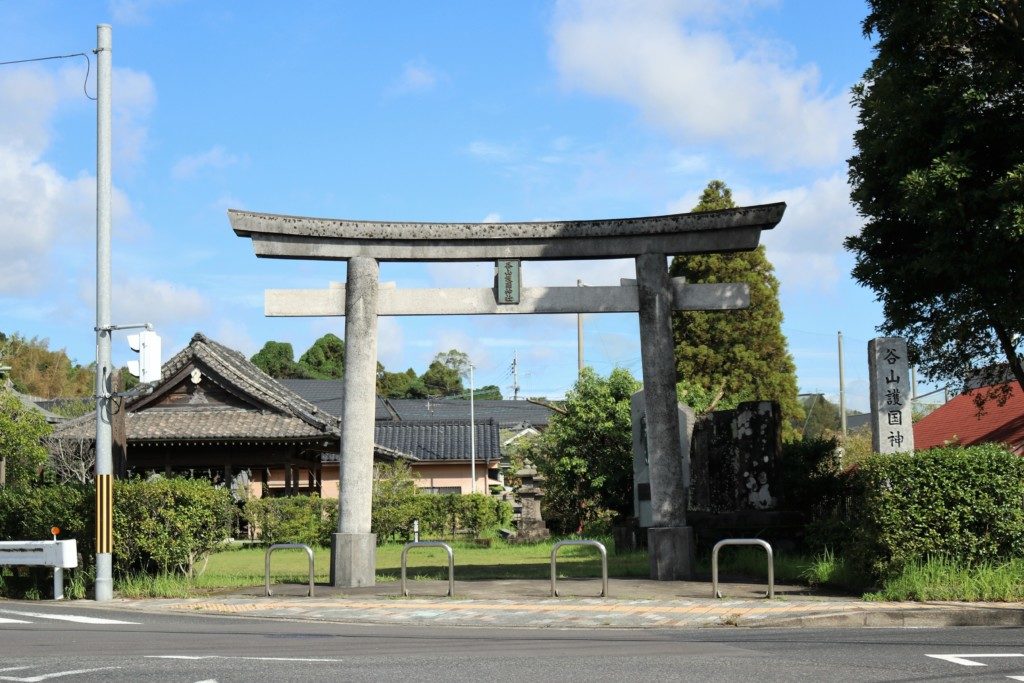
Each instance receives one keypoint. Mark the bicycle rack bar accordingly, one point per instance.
(430, 544)
(715, 593)
(604, 564)
(279, 546)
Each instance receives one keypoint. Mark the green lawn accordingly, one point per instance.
(245, 566)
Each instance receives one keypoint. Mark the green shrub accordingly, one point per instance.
(961, 503)
(168, 525)
(810, 476)
(292, 519)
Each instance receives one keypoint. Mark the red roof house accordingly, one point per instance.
(958, 422)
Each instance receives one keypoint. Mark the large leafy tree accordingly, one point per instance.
(22, 429)
(400, 384)
(444, 376)
(277, 359)
(325, 359)
(739, 354)
(938, 175)
(587, 453)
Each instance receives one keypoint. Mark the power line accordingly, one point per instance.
(88, 66)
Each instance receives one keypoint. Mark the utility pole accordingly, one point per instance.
(515, 375)
(472, 434)
(579, 337)
(104, 461)
(842, 388)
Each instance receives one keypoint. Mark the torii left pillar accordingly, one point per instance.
(353, 547)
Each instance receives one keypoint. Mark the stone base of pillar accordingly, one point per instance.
(353, 560)
(670, 550)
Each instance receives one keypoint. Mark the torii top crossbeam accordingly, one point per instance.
(275, 236)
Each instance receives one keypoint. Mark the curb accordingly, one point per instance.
(925, 617)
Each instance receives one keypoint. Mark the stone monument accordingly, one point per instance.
(531, 523)
(892, 429)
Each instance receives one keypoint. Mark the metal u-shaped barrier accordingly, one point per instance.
(430, 544)
(280, 546)
(604, 564)
(715, 593)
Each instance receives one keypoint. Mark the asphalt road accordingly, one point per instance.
(62, 642)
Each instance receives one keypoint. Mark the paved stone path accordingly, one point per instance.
(377, 606)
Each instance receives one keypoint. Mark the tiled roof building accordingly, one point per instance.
(959, 421)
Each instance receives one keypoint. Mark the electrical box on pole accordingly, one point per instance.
(147, 367)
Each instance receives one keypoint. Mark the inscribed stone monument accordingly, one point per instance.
(892, 429)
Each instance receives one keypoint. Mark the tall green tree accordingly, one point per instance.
(38, 371)
(22, 429)
(277, 359)
(444, 376)
(400, 384)
(938, 175)
(587, 453)
(741, 354)
(325, 359)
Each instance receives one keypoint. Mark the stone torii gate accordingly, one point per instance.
(653, 294)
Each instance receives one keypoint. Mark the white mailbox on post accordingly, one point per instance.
(60, 555)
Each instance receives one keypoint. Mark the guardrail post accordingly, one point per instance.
(604, 564)
(430, 544)
(280, 546)
(715, 593)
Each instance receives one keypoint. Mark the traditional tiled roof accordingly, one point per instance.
(507, 414)
(434, 441)
(958, 421)
(326, 394)
(277, 413)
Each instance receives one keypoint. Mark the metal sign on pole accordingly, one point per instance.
(104, 459)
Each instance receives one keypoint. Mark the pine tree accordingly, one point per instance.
(742, 353)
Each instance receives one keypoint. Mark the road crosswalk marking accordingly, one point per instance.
(968, 659)
(55, 674)
(59, 617)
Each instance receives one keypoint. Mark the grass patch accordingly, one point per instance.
(940, 578)
(159, 586)
(245, 566)
(752, 564)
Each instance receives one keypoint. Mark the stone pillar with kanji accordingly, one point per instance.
(892, 428)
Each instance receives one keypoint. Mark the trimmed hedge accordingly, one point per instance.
(168, 525)
(292, 519)
(160, 525)
(962, 503)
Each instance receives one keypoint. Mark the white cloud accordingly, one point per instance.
(492, 217)
(217, 157)
(44, 212)
(806, 245)
(233, 335)
(491, 151)
(163, 303)
(692, 81)
(135, 11)
(417, 76)
(390, 342)
(133, 98)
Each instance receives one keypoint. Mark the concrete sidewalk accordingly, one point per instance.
(632, 603)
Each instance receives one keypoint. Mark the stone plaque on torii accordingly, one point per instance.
(654, 295)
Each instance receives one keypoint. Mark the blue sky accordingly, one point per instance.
(440, 111)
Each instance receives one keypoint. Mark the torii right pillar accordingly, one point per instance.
(670, 542)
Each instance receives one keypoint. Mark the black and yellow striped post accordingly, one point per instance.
(104, 514)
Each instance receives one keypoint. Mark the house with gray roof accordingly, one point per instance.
(215, 413)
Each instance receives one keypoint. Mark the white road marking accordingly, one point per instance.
(208, 680)
(964, 661)
(65, 617)
(57, 674)
(256, 659)
(13, 621)
(15, 668)
(1016, 678)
